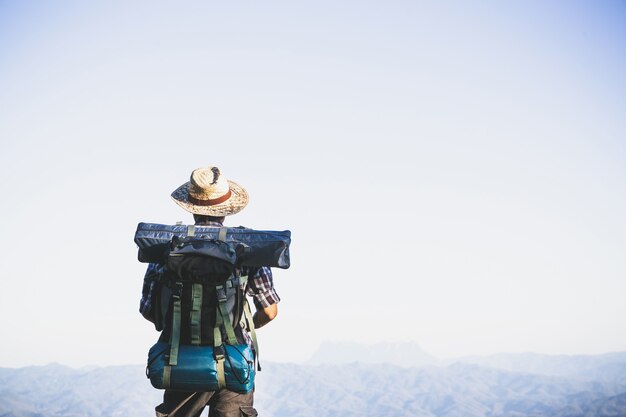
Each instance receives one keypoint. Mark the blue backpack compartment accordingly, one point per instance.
(196, 369)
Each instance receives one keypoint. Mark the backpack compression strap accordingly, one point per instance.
(222, 292)
(196, 305)
(175, 335)
(219, 353)
(222, 318)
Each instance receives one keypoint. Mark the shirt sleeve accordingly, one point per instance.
(153, 274)
(261, 287)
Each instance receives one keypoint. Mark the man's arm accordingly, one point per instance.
(146, 304)
(264, 315)
(261, 288)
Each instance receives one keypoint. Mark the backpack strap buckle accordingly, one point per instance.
(220, 291)
(219, 353)
(177, 290)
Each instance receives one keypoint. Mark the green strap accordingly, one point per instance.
(223, 312)
(196, 305)
(167, 373)
(219, 357)
(175, 336)
(243, 281)
(222, 234)
(230, 332)
(191, 230)
(221, 375)
(250, 320)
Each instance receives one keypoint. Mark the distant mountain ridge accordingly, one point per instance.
(457, 390)
(594, 386)
(405, 354)
(58, 391)
(591, 366)
(410, 354)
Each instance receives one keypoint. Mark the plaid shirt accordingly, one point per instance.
(260, 285)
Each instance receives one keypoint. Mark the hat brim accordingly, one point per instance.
(237, 201)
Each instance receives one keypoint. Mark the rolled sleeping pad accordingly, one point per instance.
(258, 247)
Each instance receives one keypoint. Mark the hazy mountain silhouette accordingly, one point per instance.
(410, 354)
(407, 354)
(558, 386)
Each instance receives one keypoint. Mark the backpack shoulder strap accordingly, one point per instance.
(222, 292)
(247, 321)
(250, 321)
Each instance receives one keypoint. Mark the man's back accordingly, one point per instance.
(199, 313)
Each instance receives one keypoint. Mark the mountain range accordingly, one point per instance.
(507, 385)
(409, 354)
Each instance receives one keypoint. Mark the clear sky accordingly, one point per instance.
(453, 173)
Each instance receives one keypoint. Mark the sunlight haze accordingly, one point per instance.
(453, 173)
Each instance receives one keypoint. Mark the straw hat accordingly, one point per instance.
(209, 193)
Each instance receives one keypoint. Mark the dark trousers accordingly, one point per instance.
(222, 403)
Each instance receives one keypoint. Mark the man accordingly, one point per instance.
(209, 196)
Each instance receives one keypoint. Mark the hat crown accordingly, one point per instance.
(210, 193)
(208, 183)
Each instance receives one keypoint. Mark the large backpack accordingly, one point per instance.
(203, 345)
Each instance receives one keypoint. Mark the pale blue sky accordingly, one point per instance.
(453, 173)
